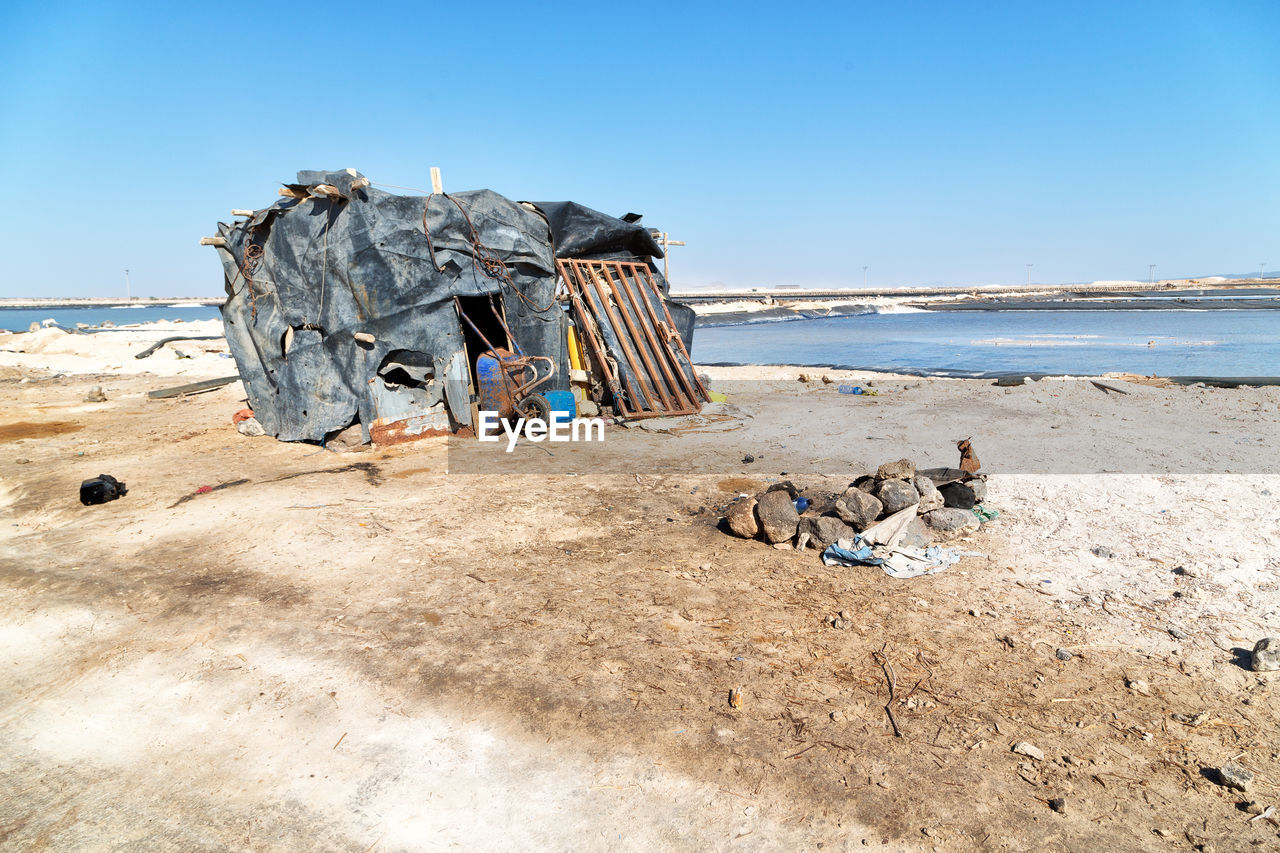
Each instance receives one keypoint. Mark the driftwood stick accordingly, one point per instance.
(892, 678)
(192, 388)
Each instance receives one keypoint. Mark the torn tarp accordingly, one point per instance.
(344, 301)
(880, 545)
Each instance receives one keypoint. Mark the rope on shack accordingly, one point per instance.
(482, 256)
(252, 254)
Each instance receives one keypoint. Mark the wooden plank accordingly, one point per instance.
(688, 397)
(618, 329)
(437, 185)
(192, 388)
(591, 324)
(695, 390)
(678, 340)
(660, 352)
(588, 327)
(220, 242)
(593, 289)
(637, 341)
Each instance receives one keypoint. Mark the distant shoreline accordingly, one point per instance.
(775, 306)
(107, 301)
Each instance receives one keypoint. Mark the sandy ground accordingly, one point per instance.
(433, 647)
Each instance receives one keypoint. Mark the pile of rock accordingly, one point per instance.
(944, 499)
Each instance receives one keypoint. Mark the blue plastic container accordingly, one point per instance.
(563, 407)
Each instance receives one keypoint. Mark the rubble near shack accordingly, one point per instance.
(898, 506)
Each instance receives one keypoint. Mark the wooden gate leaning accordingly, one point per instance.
(624, 318)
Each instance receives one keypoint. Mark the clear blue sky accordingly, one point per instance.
(788, 143)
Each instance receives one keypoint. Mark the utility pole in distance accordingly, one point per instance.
(1029, 266)
(864, 276)
(1262, 270)
(1151, 273)
(666, 254)
(128, 292)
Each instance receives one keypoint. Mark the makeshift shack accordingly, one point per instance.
(407, 314)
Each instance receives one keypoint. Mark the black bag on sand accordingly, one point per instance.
(101, 489)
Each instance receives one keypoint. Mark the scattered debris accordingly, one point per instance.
(1138, 686)
(1022, 747)
(1063, 654)
(1232, 775)
(1058, 804)
(1177, 634)
(735, 697)
(892, 678)
(1192, 720)
(1269, 813)
(748, 459)
(1266, 655)
(146, 353)
(1101, 551)
(192, 388)
(889, 519)
(204, 490)
(968, 458)
(101, 489)
(1107, 389)
(250, 427)
(96, 396)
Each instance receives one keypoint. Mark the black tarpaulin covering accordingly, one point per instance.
(580, 232)
(307, 275)
(334, 267)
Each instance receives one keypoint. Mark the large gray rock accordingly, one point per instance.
(785, 486)
(1266, 655)
(741, 518)
(778, 516)
(916, 534)
(1232, 775)
(858, 508)
(903, 469)
(824, 530)
(951, 520)
(979, 487)
(896, 495)
(250, 427)
(930, 497)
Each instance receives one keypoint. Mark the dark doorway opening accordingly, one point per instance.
(484, 325)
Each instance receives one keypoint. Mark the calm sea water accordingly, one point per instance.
(1167, 343)
(20, 319)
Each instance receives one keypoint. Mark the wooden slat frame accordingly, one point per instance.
(612, 292)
